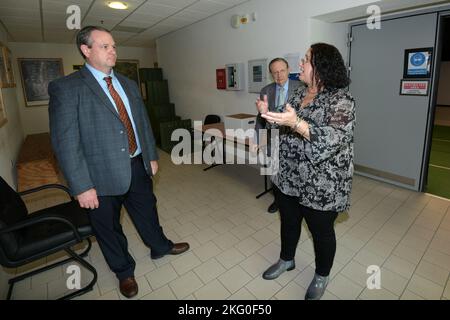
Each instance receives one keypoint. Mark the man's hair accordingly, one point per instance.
(278, 60)
(329, 70)
(84, 37)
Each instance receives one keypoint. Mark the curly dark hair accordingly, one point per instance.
(328, 67)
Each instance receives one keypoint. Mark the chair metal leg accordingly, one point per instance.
(73, 256)
(88, 266)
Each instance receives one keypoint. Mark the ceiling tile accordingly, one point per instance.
(230, 3)
(140, 18)
(55, 20)
(208, 6)
(157, 9)
(95, 21)
(192, 15)
(60, 6)
(20, 4)
(20, 13)
(135, 24)
(122, 35)
(175, 3)
(177, 22)
(19, 21)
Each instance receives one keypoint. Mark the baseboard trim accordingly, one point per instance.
(385, 175)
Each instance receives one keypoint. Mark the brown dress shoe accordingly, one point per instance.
(129, 287)
(177, 249)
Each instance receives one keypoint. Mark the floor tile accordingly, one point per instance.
(234, 279)
(209, 270)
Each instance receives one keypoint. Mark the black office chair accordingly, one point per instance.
(27, 237)
(210, 119)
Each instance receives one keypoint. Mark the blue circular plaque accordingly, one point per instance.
(417, 59)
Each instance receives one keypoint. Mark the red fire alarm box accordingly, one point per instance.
(221, 78)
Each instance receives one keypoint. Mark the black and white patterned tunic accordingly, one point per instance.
(319, 171)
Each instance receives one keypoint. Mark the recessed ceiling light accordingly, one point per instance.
(118, 5)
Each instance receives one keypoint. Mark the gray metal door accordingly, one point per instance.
(390, 128)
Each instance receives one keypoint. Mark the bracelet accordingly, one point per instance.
(297, 123)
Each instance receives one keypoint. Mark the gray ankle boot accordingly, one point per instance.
(317, 287)
(278, 268)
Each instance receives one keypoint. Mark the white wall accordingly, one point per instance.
(11, 137)
(35, 119)
(11, 133)
(444, 83)
(189, 57)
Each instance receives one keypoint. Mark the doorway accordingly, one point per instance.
(438, 178)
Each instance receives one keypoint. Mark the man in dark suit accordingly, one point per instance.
(274, 97)
(102, 138)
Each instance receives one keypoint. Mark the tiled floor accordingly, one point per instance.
(233, 240)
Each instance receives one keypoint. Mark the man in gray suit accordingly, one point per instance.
(273, 97)
(102, 138)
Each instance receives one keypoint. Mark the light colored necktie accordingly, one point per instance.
(123, 115)
(281, 98)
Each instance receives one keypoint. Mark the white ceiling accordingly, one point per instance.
(45, 20)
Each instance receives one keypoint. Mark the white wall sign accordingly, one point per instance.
(414, 87)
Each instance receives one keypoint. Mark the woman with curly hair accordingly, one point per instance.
(314, 177)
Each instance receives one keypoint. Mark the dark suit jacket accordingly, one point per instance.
(88, 137)
(270, 91)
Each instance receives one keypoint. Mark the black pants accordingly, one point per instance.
(140, 203)
(320, 223)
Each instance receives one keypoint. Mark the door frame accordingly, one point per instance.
(433, 98)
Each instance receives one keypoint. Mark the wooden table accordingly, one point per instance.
(36, 164)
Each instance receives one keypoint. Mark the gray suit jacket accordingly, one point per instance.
(270, 91)
(88, 137)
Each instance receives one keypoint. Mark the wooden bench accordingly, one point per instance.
(37, 163)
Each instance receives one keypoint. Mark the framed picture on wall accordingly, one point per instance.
(11, 83)
(3, 118)
(417, 63)
(3, 75)
(36, 74)
(128, 68)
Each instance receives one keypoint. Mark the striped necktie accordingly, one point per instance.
(123, 115)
